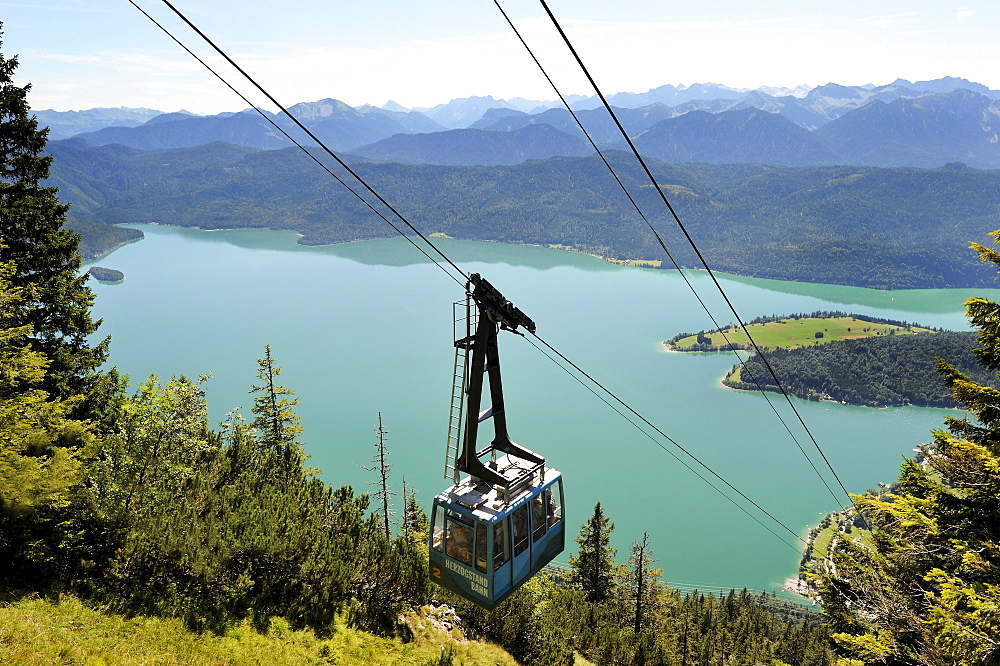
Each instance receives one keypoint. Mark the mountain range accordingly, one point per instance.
(923, 124)
(876, 186)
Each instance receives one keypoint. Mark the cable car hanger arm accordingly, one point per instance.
(496, 312)
(490, 301)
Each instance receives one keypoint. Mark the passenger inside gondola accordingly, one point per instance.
(458, 540)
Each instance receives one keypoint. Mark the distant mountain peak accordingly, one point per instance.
(835, 91)
(319, 109)
(393, 106)
(945, 84)
(799, 91)
(170, 117)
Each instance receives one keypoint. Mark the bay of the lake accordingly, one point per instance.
(366, 327)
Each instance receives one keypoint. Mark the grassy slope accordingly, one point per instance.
(34, 631)
(789, 333)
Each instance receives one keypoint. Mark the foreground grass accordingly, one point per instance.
(35, 631)
(790, 333)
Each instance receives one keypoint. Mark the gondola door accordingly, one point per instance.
(502, 579)
(520, 528)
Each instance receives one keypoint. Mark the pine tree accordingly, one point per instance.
(277, 423)
(415, 523)
(44, 254)
(593, 567)
(927, 589)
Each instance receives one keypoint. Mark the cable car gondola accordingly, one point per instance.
(502, 523)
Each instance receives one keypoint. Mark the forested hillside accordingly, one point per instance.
(881, 228)
(877, 372)
(474, 146)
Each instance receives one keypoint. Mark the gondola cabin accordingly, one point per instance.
(501, 521)
(484, 547)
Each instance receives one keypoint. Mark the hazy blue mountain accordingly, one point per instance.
(949, 84)
(476, 147)
(532, 105)
(171, 117)
(460, 113)
(674, 95)
(181, 131)
(927, 131)
(931, 133)
(812, 110)
(716, 97)
(64, 124)
(786, 106)
(668, 95)
(493, 116)
(411, 121)
(558, 118)
(818, 107)
(340, 126)
(889, 125)
(599, 124)
(731, 137)
(833, 100)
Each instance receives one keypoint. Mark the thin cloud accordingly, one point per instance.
(75, 6)
(963, 13)
(890, 19)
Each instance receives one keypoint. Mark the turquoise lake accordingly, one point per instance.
(366, 327)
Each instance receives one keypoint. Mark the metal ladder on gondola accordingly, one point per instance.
(466, 318)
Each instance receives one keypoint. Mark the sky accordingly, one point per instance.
(81, 54)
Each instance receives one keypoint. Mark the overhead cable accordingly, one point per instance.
(312, 136)
(669, 439)
(305, 150)
(665, 436)
(663, 245)
(693, 245)
(438, 251)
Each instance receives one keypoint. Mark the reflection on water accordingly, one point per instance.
(392, 251)
(901, 300)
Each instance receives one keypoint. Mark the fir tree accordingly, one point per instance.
(593, 566)
(415, 523)
(44, 254)
(41, 448)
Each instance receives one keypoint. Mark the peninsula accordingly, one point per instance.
(792, 331)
